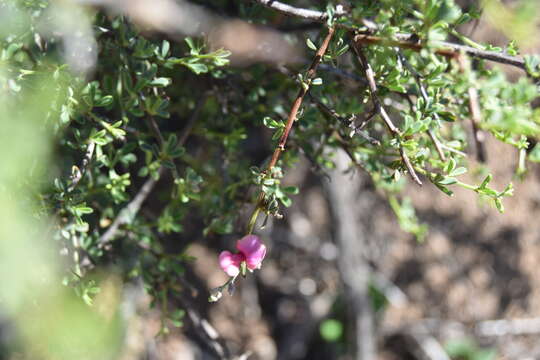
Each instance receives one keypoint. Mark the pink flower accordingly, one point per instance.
(251, 250)
(230, 263)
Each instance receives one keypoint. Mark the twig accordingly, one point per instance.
(299, 12)
(447, 49)
(204, 330)
(370, 75)
(299, 98)
(476, 115)
(382, 112)
(127, 214)
(78, 173)
(191, 121)
(437, 144)
(402, 40)
(424, 94)
(455, 151)
(346, 122)
(342, 73)
(157, 134)
(304, 88)
(155, 129)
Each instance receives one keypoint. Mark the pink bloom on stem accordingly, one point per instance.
(251, 250)
(230, 263)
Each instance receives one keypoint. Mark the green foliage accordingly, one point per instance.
(178, 114)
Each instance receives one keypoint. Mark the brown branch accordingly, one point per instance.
(408, 165)
(370, 75)
(437, 144)
(447, 49)
(476, 115)
(402, 40)
(78, 173)
(304, 88)
(299, 98)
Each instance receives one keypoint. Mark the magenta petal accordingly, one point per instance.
(230, 263)
(253, 250)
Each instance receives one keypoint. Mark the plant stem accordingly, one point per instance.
(402, 40)
(370, 75)
(443, 48)
(304, 88)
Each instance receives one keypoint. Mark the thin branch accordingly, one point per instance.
(476, 115)
(409, 166)
(342, 73)
(304, 88)
(203, 329)
(437, 144)
(161, 141)
(455, 151)
(346, 122)
(299, 98)
(78, 173)
(370, 75)
(371, 115)
(423, 92)
(447, 49)
(128, 213)
(194, 116)
(155, 129)
(299, 12)
(402, 40)
(315, 15)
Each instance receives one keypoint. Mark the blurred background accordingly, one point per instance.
(341, 279)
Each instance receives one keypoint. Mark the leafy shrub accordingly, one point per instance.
(97, 112)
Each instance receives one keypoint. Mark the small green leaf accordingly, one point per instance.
(165, 47)
(198, 68)
(291, 190)
(310, 44)
(448, 181)
(499, 205)
(161, 82)
(458, 171)
(104, 101)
